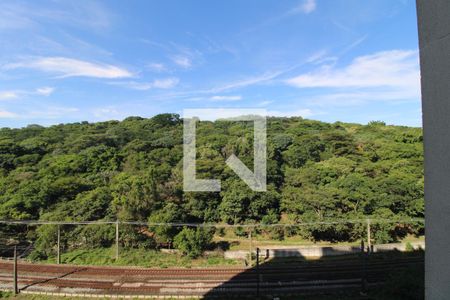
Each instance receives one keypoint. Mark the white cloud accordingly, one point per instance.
(165, 83)
(317, 56)
(354, 44)
(7, 114)
(265, 103)
(84, 14)
(182, 61)
(387, 75)
(389, 68)
(306, 7)
(263, 78)
(69, 67)
(226, 98)
(7, 95)
(157, 67)
(13, 17)
(141, 86)
(246, 82)
(306, 112)
(45, 91)
(355, 98)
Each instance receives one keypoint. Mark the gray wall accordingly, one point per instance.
(434, 40)
(318, 251)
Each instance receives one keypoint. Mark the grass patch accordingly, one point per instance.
(141, 258)
(4, 294)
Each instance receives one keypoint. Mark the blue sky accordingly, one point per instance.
(330, 60)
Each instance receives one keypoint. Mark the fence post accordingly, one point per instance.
(117, 240)
(257, 272)
(364, 269)
(369, 243)
(15, 287)
(58, 253)
(251, 246)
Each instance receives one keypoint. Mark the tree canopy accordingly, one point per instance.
(132, 170)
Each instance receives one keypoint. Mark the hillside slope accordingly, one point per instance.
(132, 170)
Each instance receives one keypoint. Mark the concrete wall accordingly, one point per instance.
(319, 251)
(434, 41)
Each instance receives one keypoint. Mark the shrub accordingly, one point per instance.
(192, 242)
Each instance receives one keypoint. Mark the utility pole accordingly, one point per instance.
(58, 253)
(15, 287)
(117, 240)
(369, 244)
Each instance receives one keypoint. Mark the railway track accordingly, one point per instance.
(272, 277)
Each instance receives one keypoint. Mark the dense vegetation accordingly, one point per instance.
(132, 170)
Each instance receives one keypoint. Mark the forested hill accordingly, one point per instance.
(132, 170)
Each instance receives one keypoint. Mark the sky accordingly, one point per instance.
(330, 60)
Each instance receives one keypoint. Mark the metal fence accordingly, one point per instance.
(61, 236)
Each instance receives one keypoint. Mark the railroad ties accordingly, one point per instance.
(275, 278)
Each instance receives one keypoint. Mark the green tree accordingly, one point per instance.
(192, 242)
